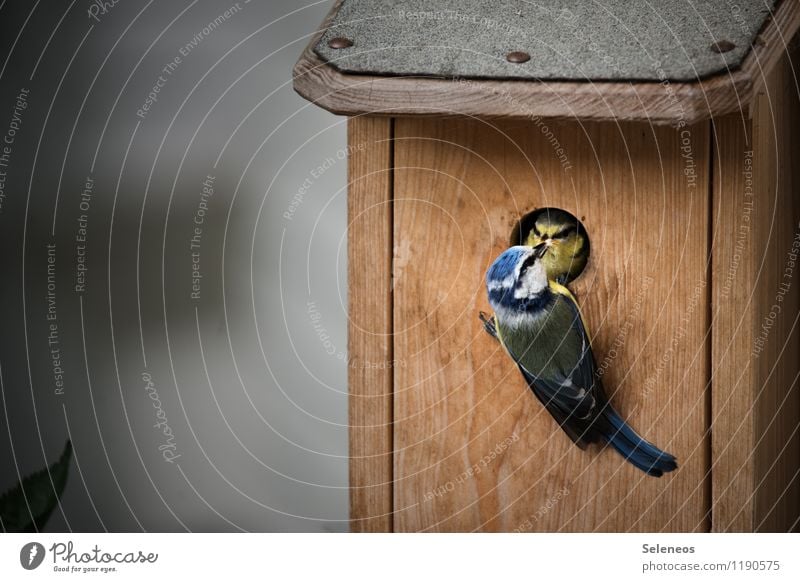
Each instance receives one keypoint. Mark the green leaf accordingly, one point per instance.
(42, 491)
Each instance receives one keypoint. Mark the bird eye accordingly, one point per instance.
(565, 232)
(527, 264)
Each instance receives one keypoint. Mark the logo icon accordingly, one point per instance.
(31, 555)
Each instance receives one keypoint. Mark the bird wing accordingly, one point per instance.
(581, 373)
(575, 421)
(557, 362)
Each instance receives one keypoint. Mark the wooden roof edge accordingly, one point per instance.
(668, 102)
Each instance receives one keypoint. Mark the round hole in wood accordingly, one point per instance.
(570, 255)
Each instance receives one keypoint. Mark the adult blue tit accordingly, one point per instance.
(565, 237)
(539, 324)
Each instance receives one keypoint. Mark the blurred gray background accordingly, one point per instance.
(221, 411)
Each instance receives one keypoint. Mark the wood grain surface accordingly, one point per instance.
(369, 207)
(660, 103)
(474, 450)
(756, 306)
(776, 135)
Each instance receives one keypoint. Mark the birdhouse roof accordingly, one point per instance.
(666, 61)
(565, 39)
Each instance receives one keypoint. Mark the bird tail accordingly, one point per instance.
(637, 451)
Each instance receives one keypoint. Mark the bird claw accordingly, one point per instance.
(488, 324)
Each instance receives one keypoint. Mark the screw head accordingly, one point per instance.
(518, 57)
(722, 46)
(340, 42)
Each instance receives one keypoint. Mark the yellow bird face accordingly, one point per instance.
(566, 240)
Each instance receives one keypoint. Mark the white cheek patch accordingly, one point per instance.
(506, 283)
(532, 283)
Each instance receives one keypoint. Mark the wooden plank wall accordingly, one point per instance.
(370, 327)
(776, 131)
(474, 450)
(756, 341)
(445, 435)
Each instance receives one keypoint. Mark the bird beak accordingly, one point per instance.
(540, 249)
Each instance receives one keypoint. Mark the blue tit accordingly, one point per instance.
(539, 324)
(564, 235)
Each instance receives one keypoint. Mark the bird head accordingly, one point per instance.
(516, 277)
(565, 238)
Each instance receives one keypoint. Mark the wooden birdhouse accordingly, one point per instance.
(672, 131)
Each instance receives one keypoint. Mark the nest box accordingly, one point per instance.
(672, 131)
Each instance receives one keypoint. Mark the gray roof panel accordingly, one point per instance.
(566, 39)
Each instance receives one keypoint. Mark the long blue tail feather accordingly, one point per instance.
(640, 453)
